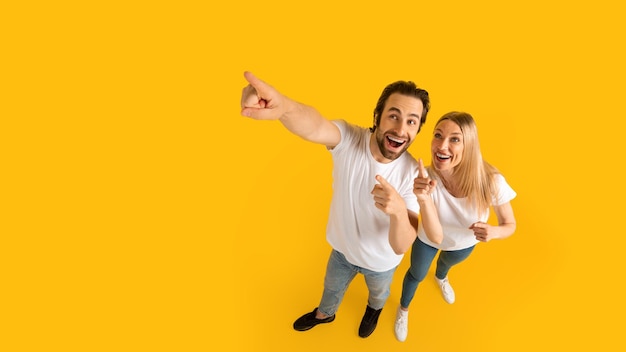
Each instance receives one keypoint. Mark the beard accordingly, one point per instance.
(381, 141)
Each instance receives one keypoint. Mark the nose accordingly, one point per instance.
(402, 129)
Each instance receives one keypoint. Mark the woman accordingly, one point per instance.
(455, 194)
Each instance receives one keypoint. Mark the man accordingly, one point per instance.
(374, 213)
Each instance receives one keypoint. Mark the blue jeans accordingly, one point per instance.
(339, 274)
(422, 256)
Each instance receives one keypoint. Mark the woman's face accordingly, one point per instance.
(447, 146)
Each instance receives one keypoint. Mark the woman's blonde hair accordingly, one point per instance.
(475, 177)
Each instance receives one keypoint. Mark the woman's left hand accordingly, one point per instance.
(483, 231)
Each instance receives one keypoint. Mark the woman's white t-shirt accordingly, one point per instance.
(456, 215)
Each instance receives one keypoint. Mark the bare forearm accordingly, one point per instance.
(430, 220)
(402, 232)
(306, 122)
(506, 220)
(261, 101)
(506, 230)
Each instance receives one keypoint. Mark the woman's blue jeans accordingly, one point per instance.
(339, 274)
(422, 256)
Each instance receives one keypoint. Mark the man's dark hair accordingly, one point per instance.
(407, 88)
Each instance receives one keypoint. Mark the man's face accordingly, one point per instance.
(399, 124)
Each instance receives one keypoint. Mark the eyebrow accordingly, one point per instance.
(400, 112)
(439, 130)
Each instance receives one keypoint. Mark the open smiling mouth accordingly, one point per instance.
(395, 142)
(442, 157)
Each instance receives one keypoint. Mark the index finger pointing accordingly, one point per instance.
(255, 82)
(382, 181)
(421, 169)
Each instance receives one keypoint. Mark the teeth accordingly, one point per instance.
(443, 156)
(395, 140)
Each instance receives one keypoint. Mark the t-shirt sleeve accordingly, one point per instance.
(409, 197)
(346, 135)
(505, 192)
(412, 204)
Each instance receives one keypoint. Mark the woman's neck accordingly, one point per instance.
(449, 182)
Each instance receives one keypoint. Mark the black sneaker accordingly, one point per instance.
(369, 321)
(309, 320)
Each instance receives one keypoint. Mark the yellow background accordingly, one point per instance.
(141, 212)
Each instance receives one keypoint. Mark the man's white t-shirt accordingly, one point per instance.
(456, 216)
(356, 228)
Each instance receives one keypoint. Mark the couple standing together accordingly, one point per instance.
(386, 202)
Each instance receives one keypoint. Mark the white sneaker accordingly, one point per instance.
(402, 324)
(446, 290)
